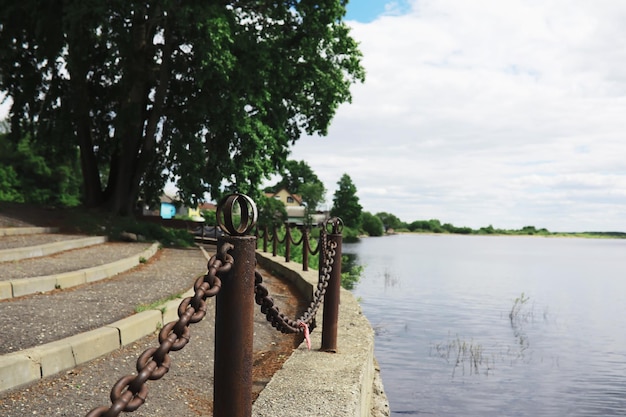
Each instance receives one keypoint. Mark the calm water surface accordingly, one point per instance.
(447, 346)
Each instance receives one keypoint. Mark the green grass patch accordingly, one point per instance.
(155, 304)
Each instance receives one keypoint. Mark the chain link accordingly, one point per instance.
(131, 391)
(279, 320)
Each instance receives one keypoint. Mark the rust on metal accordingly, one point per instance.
(331, 300)
(234, 330)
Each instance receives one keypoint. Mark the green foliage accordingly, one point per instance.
(350, 235)
(9, 185)
(210, 217)
(352, 276)
(299, 178)
(272, 212)
(390, 221)
(351, 273)
(27, 175)
(372, 225)
(346, 203)
(532, 230)
(448, 227)
(207, 94)
(312, 195)
(429, 226)
(294, 175)
(489, 230)
(296, 251)
(97, 222)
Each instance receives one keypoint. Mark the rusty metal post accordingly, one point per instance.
(305, 249)
(234, 321)
(287, 243)
(275, 242)
(331, 298)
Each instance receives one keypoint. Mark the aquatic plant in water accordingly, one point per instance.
(472, 358)
(462, 354)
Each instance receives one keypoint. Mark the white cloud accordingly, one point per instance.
(503, 112)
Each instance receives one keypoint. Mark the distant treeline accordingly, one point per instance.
(435, 226)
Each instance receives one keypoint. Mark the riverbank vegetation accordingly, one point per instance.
(392, 225)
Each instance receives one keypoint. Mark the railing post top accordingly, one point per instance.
(335, 224)
(225, 214)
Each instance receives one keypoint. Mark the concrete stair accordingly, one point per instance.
(17, 254)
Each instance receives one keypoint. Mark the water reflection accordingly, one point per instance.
(452, 340)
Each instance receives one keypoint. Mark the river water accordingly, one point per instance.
(497, 326)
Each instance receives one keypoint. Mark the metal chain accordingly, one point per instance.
(277, 319)
(130, 392)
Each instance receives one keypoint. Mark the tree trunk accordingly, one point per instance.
(79, 97)
(126, 176)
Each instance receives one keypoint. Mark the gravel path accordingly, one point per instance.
(71, 260)
(86, 307)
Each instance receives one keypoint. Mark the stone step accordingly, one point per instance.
(48, 333)
(15, 231)
(14, 249)
(18, 277)
(32, 364)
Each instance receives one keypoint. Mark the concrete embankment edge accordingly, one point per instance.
(315, 383)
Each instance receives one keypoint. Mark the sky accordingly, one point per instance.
(508, 113)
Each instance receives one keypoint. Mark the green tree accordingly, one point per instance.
(299, 178)
(346, 203)
(433, 226)
(312, 195)
(206, 94)
(295, 174)
(272, 212)
(390, 221)
(29, 176)
(371, 224)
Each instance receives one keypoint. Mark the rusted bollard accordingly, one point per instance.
(331, 298)
(234, 314)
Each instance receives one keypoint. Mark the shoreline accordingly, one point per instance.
(569, 235)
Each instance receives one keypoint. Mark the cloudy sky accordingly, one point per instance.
(502, 112)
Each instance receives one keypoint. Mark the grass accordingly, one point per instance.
(155, 304)
(516, 314)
